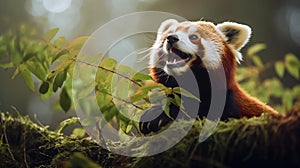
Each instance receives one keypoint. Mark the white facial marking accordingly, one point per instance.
(184, 44)
(212, 58)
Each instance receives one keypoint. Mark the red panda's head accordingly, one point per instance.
(181, 45)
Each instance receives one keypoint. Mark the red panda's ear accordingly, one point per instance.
(165, 25)
(237, 35)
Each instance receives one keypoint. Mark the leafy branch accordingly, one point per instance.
(274, 90)
(52, 62)
(118, 87)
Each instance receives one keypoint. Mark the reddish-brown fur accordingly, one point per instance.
(248, 106)
(237, 104)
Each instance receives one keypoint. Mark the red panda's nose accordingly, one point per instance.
(172, 39)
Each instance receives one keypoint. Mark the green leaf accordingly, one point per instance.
(85, 90)
(15, 73)
(44, 87)
(292, 65)
(60, 78)
(3, 52)
(59, 68)
(158, 96)
(54, 87)
(256, 48)
(287, 99)
(141, 77)
(124, 121)
(177, 101)
(7, 65)
(59, 54)
(26, 75)
(78, 42)
(138, 96)
(121, 89)
(60, 41)
(37, 69)
(16, 58)
(257, 61)
(185, 93)
(108, 115)
(129, 127)
(296, 91)
(274, 87)
(279, 68)
(28, 56)
(152, 86)
(108, 63)
(125, 70)
(65, 100)
(167, 108)
(50, 34)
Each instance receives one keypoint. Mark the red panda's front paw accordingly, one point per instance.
(155, 118)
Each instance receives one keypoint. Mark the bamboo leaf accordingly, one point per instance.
(50, 34)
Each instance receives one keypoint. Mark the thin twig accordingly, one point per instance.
(24, 150)
(124, 101)
(6, 139)
(98, 66)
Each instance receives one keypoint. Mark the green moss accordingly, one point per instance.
(25, 144)
(255, 142)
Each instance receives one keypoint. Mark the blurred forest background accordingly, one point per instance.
(275, 23)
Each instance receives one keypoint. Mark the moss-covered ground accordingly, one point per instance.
(255, 142)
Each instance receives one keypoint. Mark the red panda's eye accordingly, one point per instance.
(193, 37)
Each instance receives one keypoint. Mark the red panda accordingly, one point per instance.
(199, 47)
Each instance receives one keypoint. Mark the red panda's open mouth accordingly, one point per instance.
(177, 58)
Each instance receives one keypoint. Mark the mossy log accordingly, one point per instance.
(255, 142)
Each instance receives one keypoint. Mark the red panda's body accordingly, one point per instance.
(191, 51)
